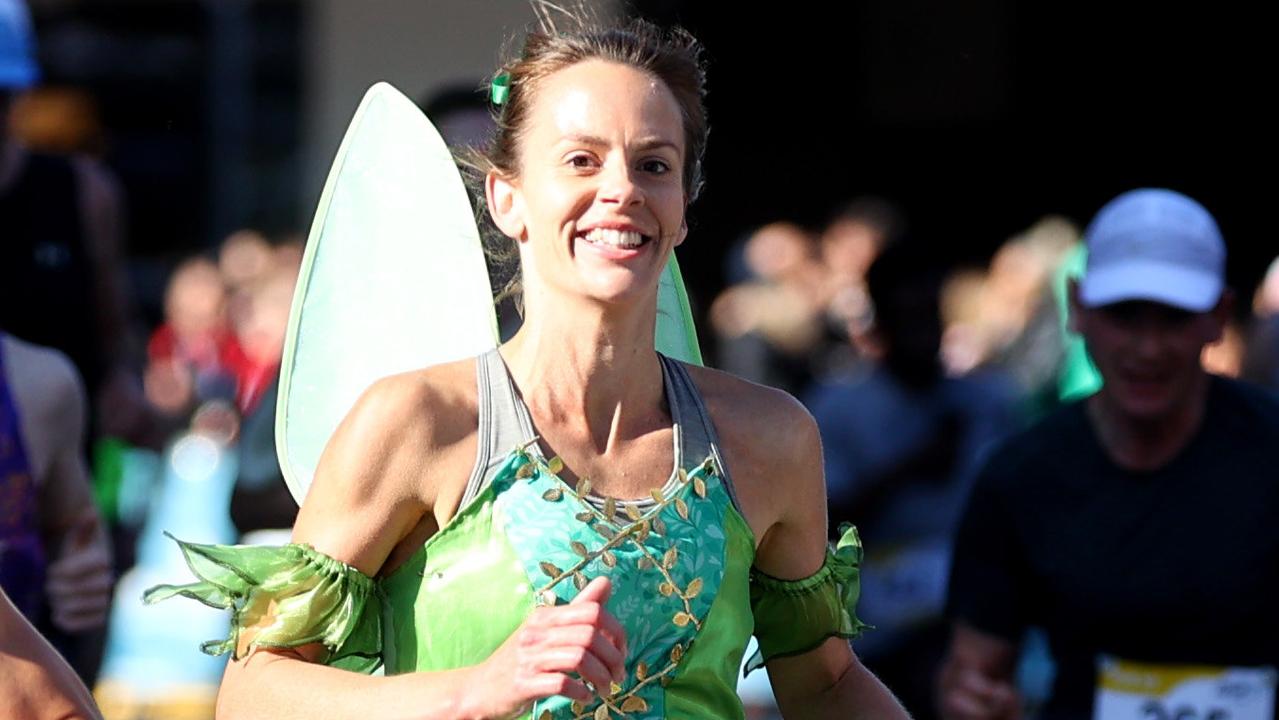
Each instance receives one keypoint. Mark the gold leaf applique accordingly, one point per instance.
(683, 475)
(525, 472)
(613, 689)
(634, 703)
(605, 530)
(641, 671)
(659, 527)
(601, 712)
(584, 487)
(609, 558)
(666, 680)
(576, 707)
(579, 548)
(585, 516)
(677, 652)
(681, 507)
(546, 715)
(642, 533)
(694, 588)
(633, 512)
(709, 466)
(644, 563)
(549, 569)
(610, 508)
(548, 598)
(555, 465)
(579, 580)
(681, 619)
(699, 487)
(666, 589)
(668, 560)
(553, 495)
(657, 494)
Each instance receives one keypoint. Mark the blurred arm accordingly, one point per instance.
(35, 682)
(976, 681)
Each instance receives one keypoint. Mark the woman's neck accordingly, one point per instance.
(588, 368)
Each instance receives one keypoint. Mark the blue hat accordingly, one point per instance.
(1155, 245)
(18, 69)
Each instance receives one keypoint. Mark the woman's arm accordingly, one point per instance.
(828, 681)
(405, 449)
(35, 682)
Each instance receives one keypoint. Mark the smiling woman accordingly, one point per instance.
(552, 530)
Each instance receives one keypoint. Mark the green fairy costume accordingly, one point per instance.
(680, 561)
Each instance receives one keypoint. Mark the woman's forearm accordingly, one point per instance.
(269, 685)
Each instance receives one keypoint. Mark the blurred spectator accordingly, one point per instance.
(61, 269)
(55, 556)
(1130, 526)
(768, 328)
(35, 682)
(901, 443)
(853, 238)
(1261, 358)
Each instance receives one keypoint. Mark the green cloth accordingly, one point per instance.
(683, 587)
(795, 616)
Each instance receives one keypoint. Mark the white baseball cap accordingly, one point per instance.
(1155, 245)
(17, 46)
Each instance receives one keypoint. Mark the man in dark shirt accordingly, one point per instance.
(1137, 527)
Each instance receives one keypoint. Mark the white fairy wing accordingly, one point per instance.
(393, 277)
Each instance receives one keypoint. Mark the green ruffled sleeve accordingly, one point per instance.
(795, 616)
(282, 597)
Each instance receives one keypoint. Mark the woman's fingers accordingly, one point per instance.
(588, 613)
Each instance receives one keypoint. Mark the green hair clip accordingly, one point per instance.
(500, 88)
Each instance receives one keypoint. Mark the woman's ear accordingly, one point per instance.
(505, 205)
(682, 233)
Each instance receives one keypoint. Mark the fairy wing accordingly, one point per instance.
(393, 277)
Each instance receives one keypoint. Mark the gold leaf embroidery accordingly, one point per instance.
(579, 580)
(659, 527)
(666, 680)
(584, 487)
(668, 560)
(555, 465)
(657, 494)
(666, 589)
(677, 652)
(641, 671)
(681, 507)
(694, 588)
(546, 715)
(601, 712)
(609, 558)
(549, 569)
(634, 703)
(610, 508)
(579, 548)
(699, 487)
(576, 707)
(633, 513)
(525, 472)
(604, 530)
(552, 495)
(613, 689)
(644, 563)
(642, 533)
(585, 516)
(683, 475)
(681, 619)
(548, 598)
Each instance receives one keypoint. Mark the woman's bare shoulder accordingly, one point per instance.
(407, 443)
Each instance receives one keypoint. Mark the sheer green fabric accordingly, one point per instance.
(284, 597)
(795, 616)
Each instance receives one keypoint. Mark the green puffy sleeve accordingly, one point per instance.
(795, 616)
(282, 597)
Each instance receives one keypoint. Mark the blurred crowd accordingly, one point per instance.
(913, 370)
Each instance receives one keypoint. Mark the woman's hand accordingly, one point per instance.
(557, 651)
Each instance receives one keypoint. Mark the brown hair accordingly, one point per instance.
(672, 56)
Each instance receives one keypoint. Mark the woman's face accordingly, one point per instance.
(598, 201)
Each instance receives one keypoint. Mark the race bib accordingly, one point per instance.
(1129, 690)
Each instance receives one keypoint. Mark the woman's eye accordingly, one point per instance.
(581, 161)
(657, 167)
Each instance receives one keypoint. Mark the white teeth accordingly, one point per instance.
(616, 238)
